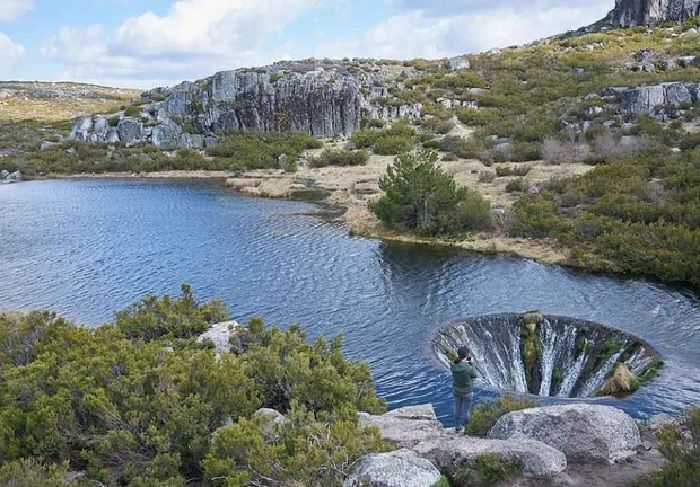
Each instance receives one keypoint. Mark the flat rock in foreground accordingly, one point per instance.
(451, 454)
(406, 427)
(585, 433)
(401, 468)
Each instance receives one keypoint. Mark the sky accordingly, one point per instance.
(147, 43)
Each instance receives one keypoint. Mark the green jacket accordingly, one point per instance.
(463, 375)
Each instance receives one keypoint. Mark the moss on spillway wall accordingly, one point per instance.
(551, 355)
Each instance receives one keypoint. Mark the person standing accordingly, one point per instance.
(463, 375)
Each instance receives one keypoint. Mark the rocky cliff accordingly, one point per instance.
(628, 13)
(321, 98)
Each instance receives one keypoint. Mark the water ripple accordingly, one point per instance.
(90, 248)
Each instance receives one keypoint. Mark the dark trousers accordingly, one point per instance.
(463, 410)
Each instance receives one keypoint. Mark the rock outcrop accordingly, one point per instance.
(585, 433)
(401, 468)
(658, 100)
(628, 13)
(416, 428)
(320, 98)
(406, 427)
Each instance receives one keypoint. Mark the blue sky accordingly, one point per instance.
(142, 44)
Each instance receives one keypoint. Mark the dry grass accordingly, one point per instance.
(20, 100)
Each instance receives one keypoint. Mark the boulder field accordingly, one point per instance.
(554, 444)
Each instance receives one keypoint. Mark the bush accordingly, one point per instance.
(535, 217)
(156, 408)
(487, 470)
(478, 117)
(399, 138)
(517, 186)
(31, 473)
(503, 171)
(132, 111)
(680, 446)
(485, 416)
(304, 450)
(340, 158)
(420, 197)
(262, 150)
(154, 317)
(388, 145)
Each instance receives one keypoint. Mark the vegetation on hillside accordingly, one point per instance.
(140, 403)
(421, 197)
(235, 152)
(638, 215)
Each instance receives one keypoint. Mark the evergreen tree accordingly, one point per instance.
(421, 197)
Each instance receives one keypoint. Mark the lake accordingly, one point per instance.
(89, 248)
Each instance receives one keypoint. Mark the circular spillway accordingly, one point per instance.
(550, 355)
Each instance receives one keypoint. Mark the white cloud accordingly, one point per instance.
(12, 9)
(11, 52)
(419, 32)
(194, 38)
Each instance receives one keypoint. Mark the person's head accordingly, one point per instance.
(462, 353)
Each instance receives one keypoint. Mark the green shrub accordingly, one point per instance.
(340, 158)
(364, 138)
(387, 145)
(303, 450)
(399, 138)
(680, 446)
(485, 415)
(132, 111)
(156, 408)
(520, 171)
(443, 482)
(487, 470)
(31, 473)
(154, 317)
(262, 150)
(420, 197)
(478, 117)
(518, 185)
(536, 217)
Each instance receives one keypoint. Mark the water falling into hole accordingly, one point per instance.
(551, 355)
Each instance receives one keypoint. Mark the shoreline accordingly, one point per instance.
(352, 215)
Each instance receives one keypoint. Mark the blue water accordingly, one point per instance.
(90, 248)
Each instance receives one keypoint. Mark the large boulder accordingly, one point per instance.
(401, 468)
(457, 63)
(406, 427)
(129, 130)
(585, 433)
(451, 454)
